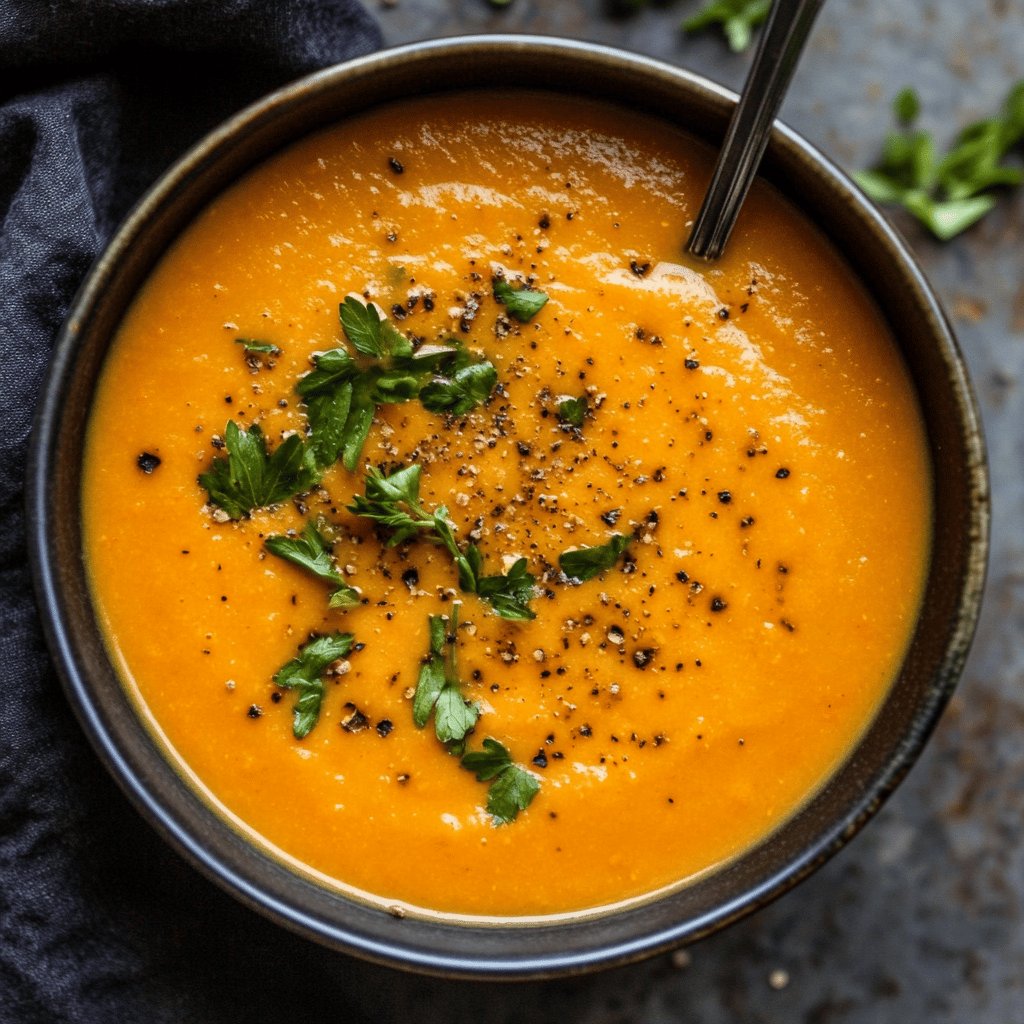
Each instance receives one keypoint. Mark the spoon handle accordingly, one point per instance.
(778, 51)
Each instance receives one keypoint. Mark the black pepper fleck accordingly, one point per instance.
(147, 462)
(643, 657)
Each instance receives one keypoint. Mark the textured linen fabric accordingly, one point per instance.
(99, 920)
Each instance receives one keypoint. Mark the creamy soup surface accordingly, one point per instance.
(746, 430)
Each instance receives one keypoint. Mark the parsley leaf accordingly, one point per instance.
(393, 503)
(585, 563)
(512, 788)
(439, 693)
(371, 335)
(524, 304)
(438, 689)
(509, 594)
(738, 19)
(312, 552)
(258, 347)
(343, 390)
(467, 388)
(945, 194)
(572, 411)
(250, 478)
(305, 673)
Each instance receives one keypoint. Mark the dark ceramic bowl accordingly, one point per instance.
(878, 762)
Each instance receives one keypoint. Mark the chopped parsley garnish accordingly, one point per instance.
(251, 478)
(343, 391)
(522, 303)
(258, 347)
(509, 593)
(946, 194)
(393, 502)
(512, 787)
(585, 563)
(305, 673)
(468, 387)
(439, 694)
(573, 411)
(738, 19)
(438, 689)
(370, 335)
(312, 552)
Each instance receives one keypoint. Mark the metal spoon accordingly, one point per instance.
(778, 51)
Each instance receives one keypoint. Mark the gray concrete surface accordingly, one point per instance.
(920, 919)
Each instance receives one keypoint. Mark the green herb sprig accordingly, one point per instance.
(393, 502)
(583, 564)
(343, 391)
(738, 19)
(312, 552)
(522, 303)
(439, 690)
(512, 788)
(305, 675)
(250, 477)
(439, 695)
(264, 348)
(946, 194)
(572, 412)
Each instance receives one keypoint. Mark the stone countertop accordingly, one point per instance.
(920, 918)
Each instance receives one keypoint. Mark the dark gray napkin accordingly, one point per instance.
(99, 921)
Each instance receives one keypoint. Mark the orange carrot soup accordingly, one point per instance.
(473, 552)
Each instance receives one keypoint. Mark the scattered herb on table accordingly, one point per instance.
(946, 194)
(393, 502)
(250, 477)
(305, 674)
(738, 19)
(584, 564)
(439, 690)
(522, 303)
(343, 391)
(312, 552)
(512, 787)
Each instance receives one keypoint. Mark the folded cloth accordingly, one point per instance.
(98, 920)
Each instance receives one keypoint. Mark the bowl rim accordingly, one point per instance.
(189, 839)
